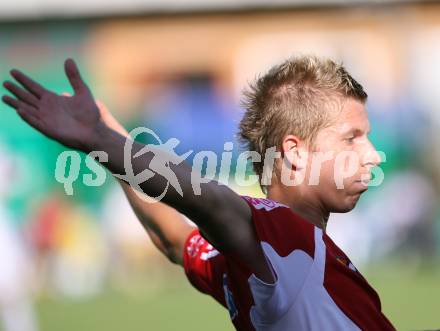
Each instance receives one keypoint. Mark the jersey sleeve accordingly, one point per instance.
(204, 266)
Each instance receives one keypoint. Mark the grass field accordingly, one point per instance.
(410, 299)
(176, 307)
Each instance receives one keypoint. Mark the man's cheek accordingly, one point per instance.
(346, 166)
(326, 180)
(320, 167)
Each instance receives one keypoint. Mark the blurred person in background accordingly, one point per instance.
(273, 266)
(16, 308)
(68, 248)
(79, 256)
(42, 232)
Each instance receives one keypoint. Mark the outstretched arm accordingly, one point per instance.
(166, 227)
(222, 216)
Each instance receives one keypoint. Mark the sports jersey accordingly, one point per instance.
(316, 287)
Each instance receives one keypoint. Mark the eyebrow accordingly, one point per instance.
(357, 131)
(354, 131)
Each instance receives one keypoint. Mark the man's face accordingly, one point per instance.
(348, 157)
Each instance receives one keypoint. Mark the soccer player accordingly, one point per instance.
(269, 261)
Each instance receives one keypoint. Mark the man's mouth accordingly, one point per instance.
(365, 179)
(363, 185)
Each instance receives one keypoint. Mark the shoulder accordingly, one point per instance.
(277, 225)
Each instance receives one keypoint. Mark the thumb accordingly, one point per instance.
(74, 76)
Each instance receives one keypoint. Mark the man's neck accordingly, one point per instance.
(310, 212)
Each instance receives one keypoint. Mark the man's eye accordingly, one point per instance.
(350, 139)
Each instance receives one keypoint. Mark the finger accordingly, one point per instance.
(74, 76)
(66, 94)
(11, 102)
(20, 105)
(26, 112)
(29, 84)
(21, 94)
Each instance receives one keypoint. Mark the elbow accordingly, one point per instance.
(172, 255)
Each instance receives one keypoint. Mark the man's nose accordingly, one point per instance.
(372, 156)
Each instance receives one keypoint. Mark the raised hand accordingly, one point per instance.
(71, 120)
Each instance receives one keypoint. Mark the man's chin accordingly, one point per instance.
(347, 205)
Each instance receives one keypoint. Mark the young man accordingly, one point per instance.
(268, 261)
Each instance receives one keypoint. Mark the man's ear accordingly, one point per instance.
(291, 151)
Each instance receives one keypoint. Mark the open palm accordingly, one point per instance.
(71, 120)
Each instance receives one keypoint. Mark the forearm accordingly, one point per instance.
(113, 144)
(124, 162)
(166, 227)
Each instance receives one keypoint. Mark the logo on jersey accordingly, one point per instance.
(266, 204)
(211, 252)
(195, 243)
(229, 298)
